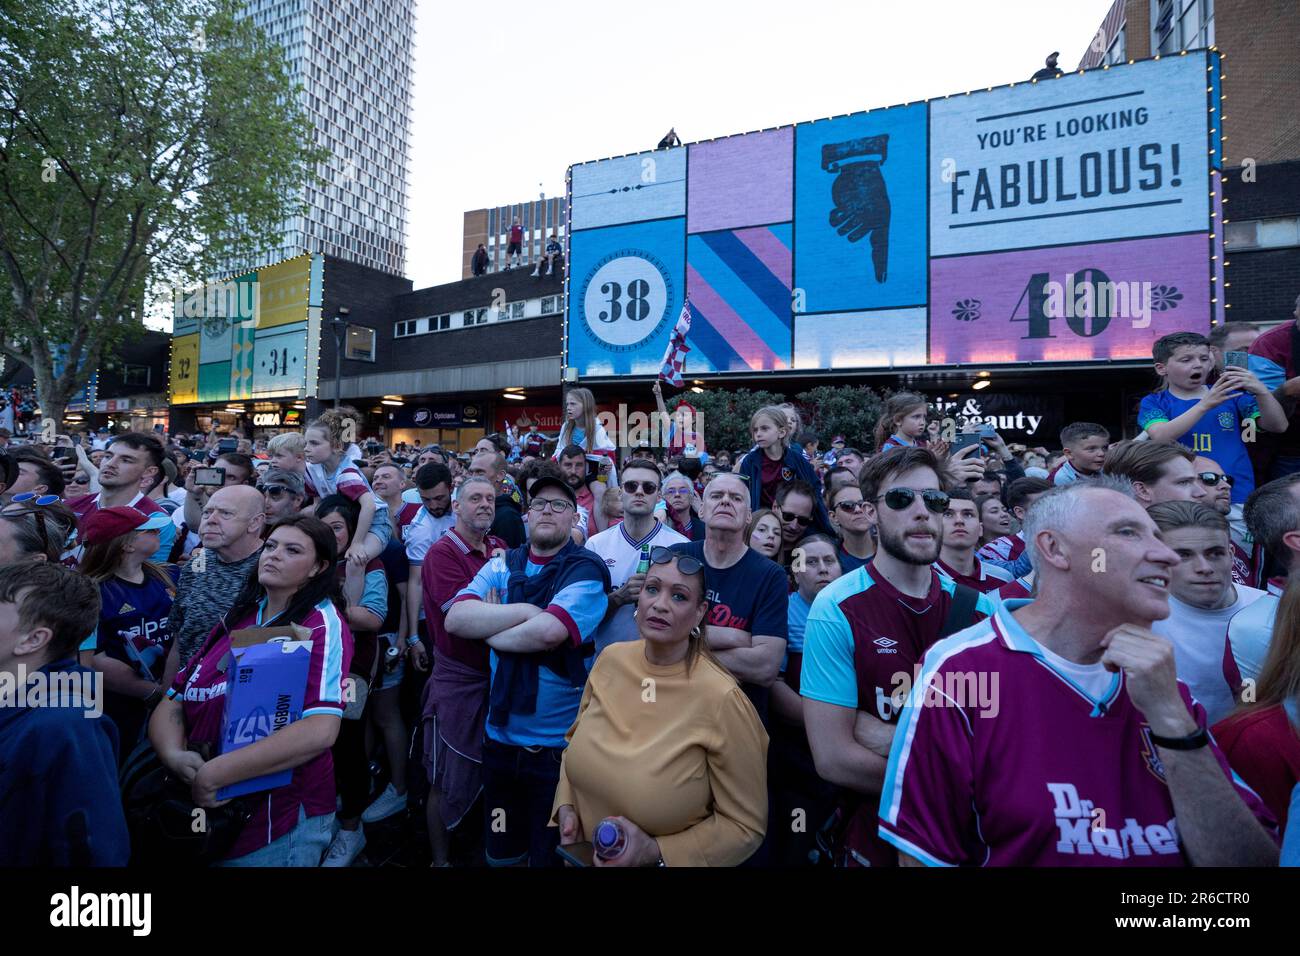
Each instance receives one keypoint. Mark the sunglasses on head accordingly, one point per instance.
(1211, 478)
(685, 562)
(32, 498)
(804, 521)
(900, 499)
(647, 487)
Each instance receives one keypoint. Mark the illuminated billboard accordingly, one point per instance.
(255, 336)
(1067, 220)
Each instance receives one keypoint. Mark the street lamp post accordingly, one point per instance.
(340, 325)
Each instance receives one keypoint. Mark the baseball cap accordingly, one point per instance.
(549, 481)
(108, 523)
(291, 481)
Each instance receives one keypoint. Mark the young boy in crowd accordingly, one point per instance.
(1084, 445)
(1208, 420)
(287, 452)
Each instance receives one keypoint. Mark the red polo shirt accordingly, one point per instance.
(449, 566)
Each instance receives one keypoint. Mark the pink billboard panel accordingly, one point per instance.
(1080, 303)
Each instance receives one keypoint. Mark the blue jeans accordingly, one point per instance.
(380, 526)
(304, 845)
(518, 793)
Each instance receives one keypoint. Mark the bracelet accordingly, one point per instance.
(412, 640)
(1190, 742)
(154, 696)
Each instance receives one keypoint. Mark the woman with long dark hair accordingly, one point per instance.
(295, 584)
(366, 592)
(683, 771)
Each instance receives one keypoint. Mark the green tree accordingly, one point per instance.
(725, 414)
(846, 410)
(141, 143)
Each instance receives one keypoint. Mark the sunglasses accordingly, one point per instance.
(685, 562)
(852, 507)
(804, 521)
(275, 491)
(558, 505)
(647, 487)
(31, 497)
(1207, 477)
(9, 512)
(900, 499)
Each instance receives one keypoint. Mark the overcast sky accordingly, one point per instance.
(509, 94)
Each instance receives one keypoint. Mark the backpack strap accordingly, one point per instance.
(964, 600)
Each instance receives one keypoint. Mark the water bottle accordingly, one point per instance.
(609, 840)
(644, 564)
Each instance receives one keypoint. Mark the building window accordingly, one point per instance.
(550, 305)
(359, 346)
(135, 375)
(1116, 52)
(1262, 234)
(475, 317)
(403, 329)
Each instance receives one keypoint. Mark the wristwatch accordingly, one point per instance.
(1190, 742)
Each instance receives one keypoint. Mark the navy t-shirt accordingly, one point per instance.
(133, 623)
(752, 595)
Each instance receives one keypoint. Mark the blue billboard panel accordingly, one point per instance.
(1118, 154)
(859, 196)
(629, 282)
(889, 338)
(629, 189)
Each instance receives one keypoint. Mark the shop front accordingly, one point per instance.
(454, 425)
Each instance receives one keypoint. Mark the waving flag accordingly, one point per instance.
(675, 354)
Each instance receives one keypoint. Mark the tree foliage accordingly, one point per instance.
(141, 143)
(724, 416)
(851, 411)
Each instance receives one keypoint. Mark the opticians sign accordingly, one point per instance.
(1068, 220)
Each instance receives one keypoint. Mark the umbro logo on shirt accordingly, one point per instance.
(885, 645)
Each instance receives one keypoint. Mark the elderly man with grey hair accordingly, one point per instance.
(1096, 754)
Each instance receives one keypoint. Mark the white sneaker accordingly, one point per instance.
(386, 804)
(536, 273)
(346, 847)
